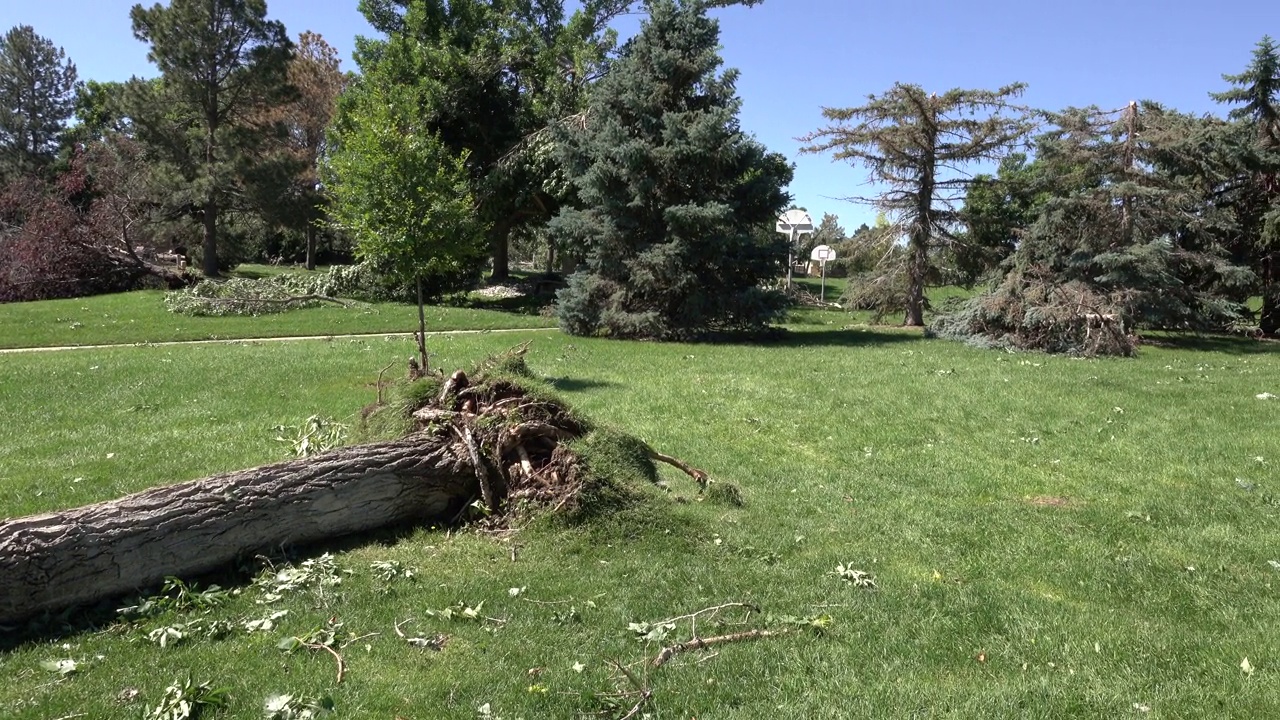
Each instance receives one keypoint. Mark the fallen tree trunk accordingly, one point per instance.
(72, 557)
(487, 438)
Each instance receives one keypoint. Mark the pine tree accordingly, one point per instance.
(1254, 193)
(673, 193)
(37, 95)
(1120, 243)
(220, 62)
(916, 143)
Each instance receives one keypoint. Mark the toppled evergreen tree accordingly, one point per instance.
(673, 193)
(1121, 244)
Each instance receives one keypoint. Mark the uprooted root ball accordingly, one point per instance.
(527, 447)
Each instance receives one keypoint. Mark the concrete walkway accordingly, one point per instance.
(288, 338)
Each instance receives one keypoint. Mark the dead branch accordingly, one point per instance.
(699, 476)
(380, 374)
(750, 608)
(357, 639)
(342, 668)
(482, 473)
(635, 710)
(701, 643)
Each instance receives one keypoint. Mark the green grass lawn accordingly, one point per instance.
(838, 317)
(1050, 538)
(140, 317)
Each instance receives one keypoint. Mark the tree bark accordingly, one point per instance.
(500, 237)
(422, 328)
(918, 268)
(311, 246)
(1269, 318)
(78, 556)
(209, 247)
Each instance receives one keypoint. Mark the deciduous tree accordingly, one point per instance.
(403, 195)
(314, 71)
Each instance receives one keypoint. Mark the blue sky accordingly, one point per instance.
(797, 56)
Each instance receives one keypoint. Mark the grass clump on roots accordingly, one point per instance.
(529, 449)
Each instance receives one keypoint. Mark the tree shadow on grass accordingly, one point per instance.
(843, 337)
(1229, 344)
(568, 384)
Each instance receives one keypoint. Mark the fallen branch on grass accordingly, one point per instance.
(642, 689)
(699, 476)
(702, 643)
(342, 668)
(285, 302)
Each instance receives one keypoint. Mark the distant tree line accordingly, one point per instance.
(471, 126)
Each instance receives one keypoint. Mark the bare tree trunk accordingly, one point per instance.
(311, 246)
(918, 268)
(422, 329)
(209, 254)
(73, 557)
(500, 236)
(1269, 318)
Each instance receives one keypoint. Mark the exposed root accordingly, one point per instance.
(482, 473)
(699, 476)
(518, 438)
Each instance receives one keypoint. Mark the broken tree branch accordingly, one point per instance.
(704, 611)
(277, 301)
(698, 475)
(482, 473)
(342, 668)
(701, 643)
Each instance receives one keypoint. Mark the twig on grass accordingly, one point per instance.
(641, 688)
(714, 609)
(342, 668)
(635, 710)
(701, 643)
(357, 639)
